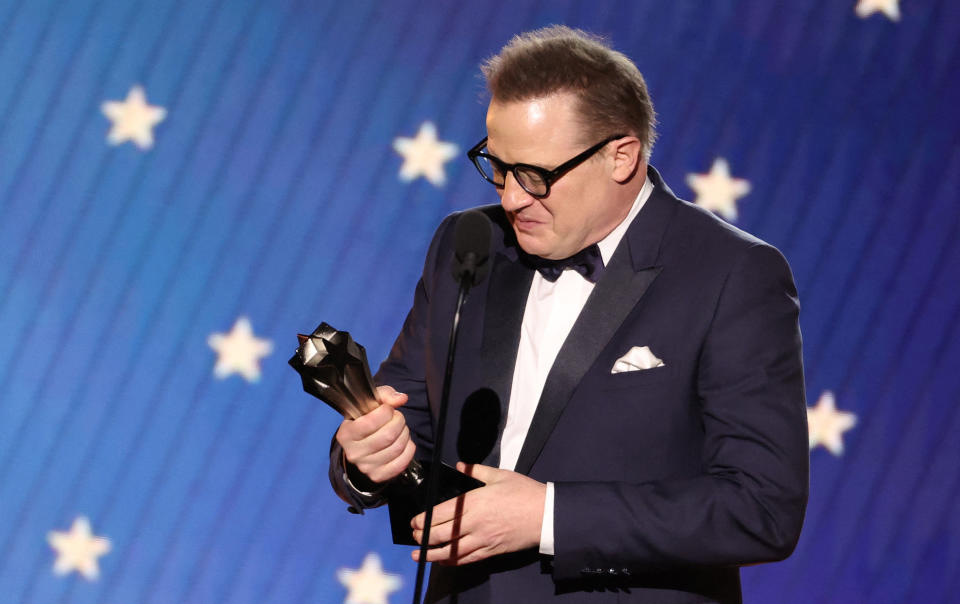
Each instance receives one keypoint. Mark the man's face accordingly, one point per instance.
(581, 208)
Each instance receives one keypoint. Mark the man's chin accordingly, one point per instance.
(533, 245)
(540, 242)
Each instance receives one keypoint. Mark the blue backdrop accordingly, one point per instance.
(173, 172)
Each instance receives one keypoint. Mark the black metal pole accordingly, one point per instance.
(433, 477)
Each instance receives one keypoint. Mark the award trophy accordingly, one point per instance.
(334, 369)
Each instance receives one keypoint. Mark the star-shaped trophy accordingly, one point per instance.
(334, 369)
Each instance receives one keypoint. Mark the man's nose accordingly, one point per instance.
(514, 198)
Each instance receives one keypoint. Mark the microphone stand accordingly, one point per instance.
(433, 478)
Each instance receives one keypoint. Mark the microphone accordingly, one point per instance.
(471, 263)
(471, 248)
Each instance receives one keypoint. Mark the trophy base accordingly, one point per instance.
(406, 500)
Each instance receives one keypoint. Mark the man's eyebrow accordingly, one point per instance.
(493, 153)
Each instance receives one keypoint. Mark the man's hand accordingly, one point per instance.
(378, 443)
(503, 516)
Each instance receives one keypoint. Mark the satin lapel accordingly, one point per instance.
(613, 298)
(632, 269)
(503, 317)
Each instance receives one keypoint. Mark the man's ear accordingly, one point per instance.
(627, 158)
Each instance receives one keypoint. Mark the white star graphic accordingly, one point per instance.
(717, 191)
(133, 119)
(239, 351)
(424, 155)
(78, 550)
(826, 425)
(890, 8)
(368, 584)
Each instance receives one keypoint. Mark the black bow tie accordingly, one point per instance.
(588, 262)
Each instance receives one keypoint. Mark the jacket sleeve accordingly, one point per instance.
(748, 504)
(405, 370)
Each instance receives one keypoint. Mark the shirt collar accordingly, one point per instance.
(608, 245)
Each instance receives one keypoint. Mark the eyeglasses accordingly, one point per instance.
(535, 180)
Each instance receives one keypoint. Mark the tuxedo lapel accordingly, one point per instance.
(503, 317)
(612, 299)
(632, 269)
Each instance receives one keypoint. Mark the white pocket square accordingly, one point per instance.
(637, 358)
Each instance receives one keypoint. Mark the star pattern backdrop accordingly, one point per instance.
(185, 185)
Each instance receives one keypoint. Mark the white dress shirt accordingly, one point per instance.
(552, 309)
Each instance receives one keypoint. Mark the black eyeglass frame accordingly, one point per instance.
(548, 176)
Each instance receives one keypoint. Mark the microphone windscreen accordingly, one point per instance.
(472, 246)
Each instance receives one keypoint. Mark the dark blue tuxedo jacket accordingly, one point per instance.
(666, 479)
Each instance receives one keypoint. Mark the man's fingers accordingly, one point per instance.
(378, 444)
(388, 396)
(481, 472)
(442, 532)
(366, 425)
(370, 433)
(393, 468)
(382, 454)
(394, 428)
(462, 551)
(384, 392)
(504, 516)
(381, 449)
(443, 513)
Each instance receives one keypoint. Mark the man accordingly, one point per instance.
(641, 413)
